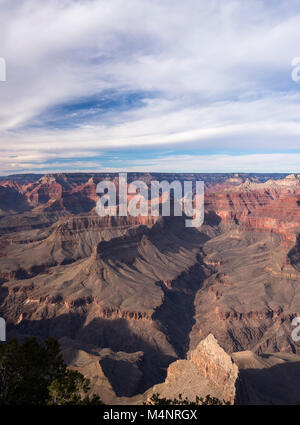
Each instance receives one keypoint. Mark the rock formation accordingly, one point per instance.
(121, 283)
(209, 370)
(216, 366)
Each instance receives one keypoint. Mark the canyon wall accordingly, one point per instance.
(122, 283)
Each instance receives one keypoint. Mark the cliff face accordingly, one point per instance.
(121, 283)
(271, 206)
(209, 370)
(267, 379)
(216, 366)
(242, 378)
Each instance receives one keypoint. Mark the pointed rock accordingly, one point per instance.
(216, 366)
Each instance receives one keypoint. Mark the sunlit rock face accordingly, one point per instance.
(208, 370)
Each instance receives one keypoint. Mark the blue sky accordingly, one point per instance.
(149, 85)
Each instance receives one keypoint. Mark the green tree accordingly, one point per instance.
(31, 373)
(207, 401)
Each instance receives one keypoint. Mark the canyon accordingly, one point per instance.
(131, 299)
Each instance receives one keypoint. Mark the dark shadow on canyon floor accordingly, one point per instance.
(100, 333)
(278, 384)
(176, 314)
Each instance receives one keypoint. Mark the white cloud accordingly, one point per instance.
(259, 163)
(220, 68)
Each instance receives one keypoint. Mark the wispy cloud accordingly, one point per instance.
(85, 77)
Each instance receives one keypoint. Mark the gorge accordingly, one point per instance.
(128, 297)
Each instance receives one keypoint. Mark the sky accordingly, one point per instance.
(150, 85)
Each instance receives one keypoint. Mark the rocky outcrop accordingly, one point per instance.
(208, 370)
(216, 366)
(242, 378)
(272, 206)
